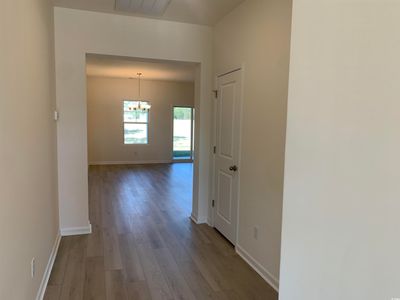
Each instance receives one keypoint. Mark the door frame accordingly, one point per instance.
(191, 134)
(212, 209)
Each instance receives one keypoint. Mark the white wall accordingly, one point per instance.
(341, 205)
(105, 123)
(257, 34)
(80, 32)
(28, 177)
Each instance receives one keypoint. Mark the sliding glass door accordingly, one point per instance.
(183, 133)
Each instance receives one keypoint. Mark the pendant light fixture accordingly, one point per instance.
(139, 104)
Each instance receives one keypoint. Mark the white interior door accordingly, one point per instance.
(227, 154)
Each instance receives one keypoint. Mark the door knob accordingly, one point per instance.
(233, 168)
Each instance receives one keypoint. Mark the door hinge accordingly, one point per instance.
(215, 93)
(215, 149)
(213, 203)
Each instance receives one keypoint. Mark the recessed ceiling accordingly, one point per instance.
(126, 67)
(206, 12)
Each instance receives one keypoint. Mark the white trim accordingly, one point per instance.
(211, 209)
(49, 267)
(266, 275)
(76, 230)
(137, 162)
(197, 220)
(202, 220)
(242, 70)
(193, 218)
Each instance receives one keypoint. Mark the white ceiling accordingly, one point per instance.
(126, 67)
(206, 12)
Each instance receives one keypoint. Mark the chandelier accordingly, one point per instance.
(139, 104)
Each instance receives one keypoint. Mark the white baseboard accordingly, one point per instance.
(198, 220)
(193, 218)
(138, 162)
(267, 276)
(49, 267)
(76, 230)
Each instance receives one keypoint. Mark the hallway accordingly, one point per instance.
(144, 246)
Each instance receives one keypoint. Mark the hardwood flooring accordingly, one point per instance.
(144, 246)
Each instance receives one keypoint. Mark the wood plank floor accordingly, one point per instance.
(144, 246)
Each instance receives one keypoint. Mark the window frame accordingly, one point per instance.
(133, 122)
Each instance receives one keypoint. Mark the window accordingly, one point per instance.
(136, 123)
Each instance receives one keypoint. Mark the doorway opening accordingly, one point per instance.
(134, 107)
(183, 133)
